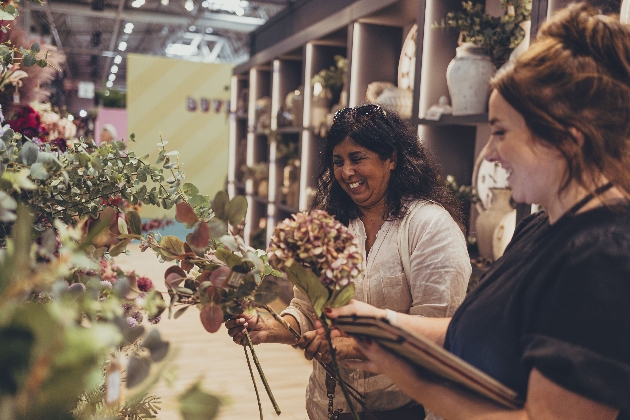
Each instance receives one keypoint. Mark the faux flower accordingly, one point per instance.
(320, 243)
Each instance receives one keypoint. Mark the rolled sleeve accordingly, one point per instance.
(301, 309)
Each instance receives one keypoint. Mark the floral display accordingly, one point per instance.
(322, 259)
(319, 243)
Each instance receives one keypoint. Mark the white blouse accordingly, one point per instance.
(440, 268)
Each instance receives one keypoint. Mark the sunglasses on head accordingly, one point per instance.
(360, 113)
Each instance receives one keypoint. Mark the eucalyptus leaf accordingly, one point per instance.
(220, 205)
(137, 370)
(237, 209)
(307, 282)
(39, 172)
(28, 153)
(195, 404)
(171, 247)
(218, 228)
(134, 222)
(29, 60)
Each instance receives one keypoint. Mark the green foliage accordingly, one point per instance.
(498, 36)
(463, 192)
(221, 275)
(334, 76)
(112, 98)
(76, 184)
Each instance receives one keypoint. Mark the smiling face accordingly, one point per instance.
(362, 174)
(535, 170)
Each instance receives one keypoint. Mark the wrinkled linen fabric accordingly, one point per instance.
(440, 268)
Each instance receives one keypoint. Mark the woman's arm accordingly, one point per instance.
(545, 399)
(432, 328)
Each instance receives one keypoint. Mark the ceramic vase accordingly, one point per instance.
(468, 76)
(400, 100)
(489, 220)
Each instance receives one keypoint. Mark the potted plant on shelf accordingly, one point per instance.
(328, 85)
(486, 43)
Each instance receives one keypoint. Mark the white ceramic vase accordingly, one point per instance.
(489, 220)
(468, 76)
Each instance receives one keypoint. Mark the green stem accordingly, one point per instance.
(262, 375)
(333, 354)
(251, 373)
(355, 394)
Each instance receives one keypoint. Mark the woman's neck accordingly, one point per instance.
(574, 193)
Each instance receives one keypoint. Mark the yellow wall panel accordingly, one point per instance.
(157, 92)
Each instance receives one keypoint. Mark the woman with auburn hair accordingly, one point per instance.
(380, 181)
(551, 318)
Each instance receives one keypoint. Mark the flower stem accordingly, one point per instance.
(251, 373)
(342, 383)
(262, 375)
(355, 394)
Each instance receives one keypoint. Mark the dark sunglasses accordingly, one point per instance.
(360, 113)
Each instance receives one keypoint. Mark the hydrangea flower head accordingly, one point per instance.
(320, 243)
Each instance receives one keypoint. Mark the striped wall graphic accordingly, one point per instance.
(158, 91)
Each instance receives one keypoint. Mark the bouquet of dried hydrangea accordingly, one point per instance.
(322, 259)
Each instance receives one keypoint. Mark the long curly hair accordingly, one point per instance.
(383, 132)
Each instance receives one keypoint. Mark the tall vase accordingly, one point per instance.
(468, 76)
(490, 219)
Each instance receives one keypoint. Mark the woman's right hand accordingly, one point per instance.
(256, 325)
(354, 307)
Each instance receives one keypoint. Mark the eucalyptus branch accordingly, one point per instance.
(251, 374)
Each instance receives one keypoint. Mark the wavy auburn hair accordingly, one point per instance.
(577, 75)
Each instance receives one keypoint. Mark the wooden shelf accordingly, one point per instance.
(285, 208)
(466, 120)
(290, 130)
(259, 200)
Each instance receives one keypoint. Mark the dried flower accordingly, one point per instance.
(320, 243)
(132, 322)
(144, 284)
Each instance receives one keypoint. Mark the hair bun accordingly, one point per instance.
(583, 31)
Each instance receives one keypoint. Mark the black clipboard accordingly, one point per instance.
(441, 365)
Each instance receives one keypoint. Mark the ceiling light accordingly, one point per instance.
(114, 69)
(164, 2)
(204, 3)
(239, 11)
(192, 28)
(122, 46)
(137, 3)
(109, 84)
(70, 117)
(112, 77)
(128, 28)
(83, 113)
(118, 59)
(208, 30)
(189, 5)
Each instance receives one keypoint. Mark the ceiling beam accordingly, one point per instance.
(112, 42)
(53, 29)
(213, 20)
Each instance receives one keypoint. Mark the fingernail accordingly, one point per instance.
(328, 310)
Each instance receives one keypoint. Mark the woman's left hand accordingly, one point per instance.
(316, 347)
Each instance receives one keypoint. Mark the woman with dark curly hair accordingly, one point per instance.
(379, 180)
(551, 318)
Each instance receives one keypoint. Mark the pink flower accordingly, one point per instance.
(144, 284)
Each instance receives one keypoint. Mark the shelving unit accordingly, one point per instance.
(293, 46)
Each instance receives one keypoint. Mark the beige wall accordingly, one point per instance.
(157, 93)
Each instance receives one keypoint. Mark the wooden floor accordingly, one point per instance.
(221, 364)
